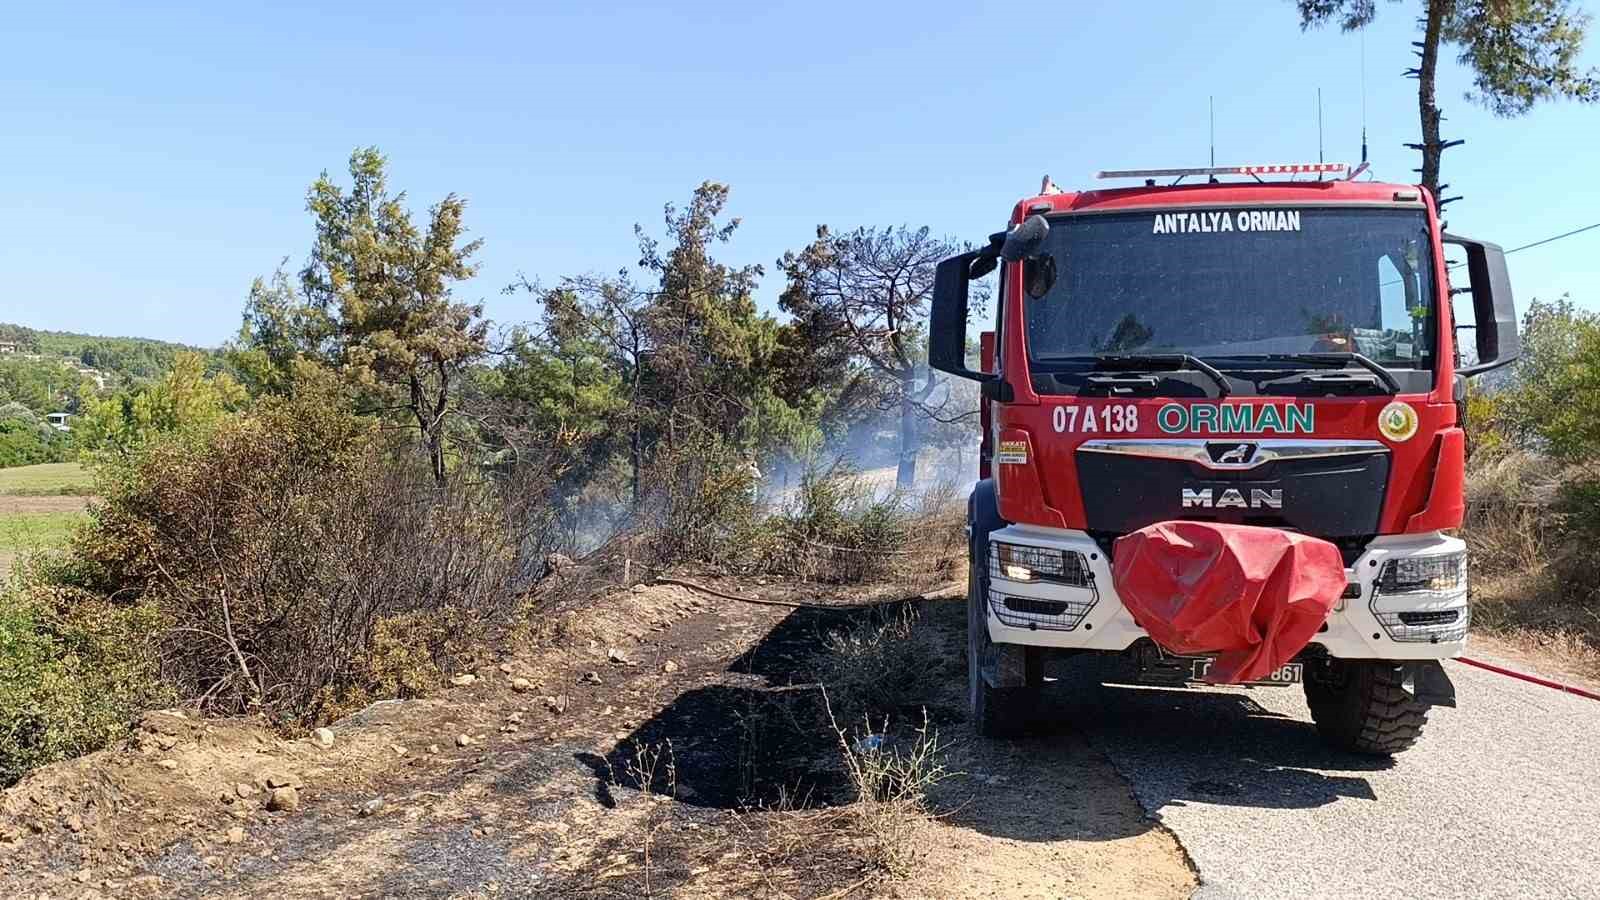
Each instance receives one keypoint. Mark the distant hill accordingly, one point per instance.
(132, 358)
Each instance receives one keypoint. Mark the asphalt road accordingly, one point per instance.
(1500, 797)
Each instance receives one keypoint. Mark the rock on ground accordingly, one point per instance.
(284, 799)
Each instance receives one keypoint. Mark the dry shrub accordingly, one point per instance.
(1510, 517)
(406, 655)
(286, 546)
(891, 780)
(697, 497)
(879, 667)
(836, 529)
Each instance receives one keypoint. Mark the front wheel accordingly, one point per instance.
(1004, 681)
(1362, 706)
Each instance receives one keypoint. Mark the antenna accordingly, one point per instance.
(1211, 103)
(1363, 97)
(1319, 125)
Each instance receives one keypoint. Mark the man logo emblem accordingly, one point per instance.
(1231, 454)
(1240, 454)
(1232, 498)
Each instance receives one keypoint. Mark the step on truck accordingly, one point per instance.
(1246, 348)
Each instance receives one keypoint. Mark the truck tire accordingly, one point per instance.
(1004, 681)
(1362, 707)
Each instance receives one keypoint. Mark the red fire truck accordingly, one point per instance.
(1269, 349)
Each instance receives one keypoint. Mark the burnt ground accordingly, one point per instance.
(671, 743)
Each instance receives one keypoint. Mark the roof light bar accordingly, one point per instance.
(1288, 169)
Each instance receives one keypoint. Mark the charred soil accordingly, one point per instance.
(666, 742)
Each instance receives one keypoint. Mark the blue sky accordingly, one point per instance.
(156, 157)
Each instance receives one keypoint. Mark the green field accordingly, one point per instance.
(21, 532)
(61, 479)
(39, 506)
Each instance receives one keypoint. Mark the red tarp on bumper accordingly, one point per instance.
(1253, 595)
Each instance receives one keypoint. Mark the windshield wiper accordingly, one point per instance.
(1175, 362)
(1342, 359)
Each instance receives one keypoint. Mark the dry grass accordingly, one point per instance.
(1536, 578)
(881, 666)
(653, 765)
(839, 527)
(891, 779)
(1511, 512)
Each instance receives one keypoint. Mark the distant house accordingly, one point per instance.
(8, 347)
(58, 421)
(97, 376)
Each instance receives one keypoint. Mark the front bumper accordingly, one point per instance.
(1092, 617)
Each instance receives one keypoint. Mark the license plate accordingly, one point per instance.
(1290, 673)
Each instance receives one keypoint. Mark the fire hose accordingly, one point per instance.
(1524, 676)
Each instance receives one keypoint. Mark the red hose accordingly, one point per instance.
(1501, 670)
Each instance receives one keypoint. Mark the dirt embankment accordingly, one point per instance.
(665, 746)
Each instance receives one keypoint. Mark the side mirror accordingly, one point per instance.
(1492, 306)
(947, 321)
(1023, 241)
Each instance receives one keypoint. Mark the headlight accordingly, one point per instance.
(1442, 574)
(1025, 563)
(1015, 562)
(1423, 599)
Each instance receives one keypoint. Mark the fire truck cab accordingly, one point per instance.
(1268, 345)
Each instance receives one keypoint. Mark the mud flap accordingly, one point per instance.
(1427, 683)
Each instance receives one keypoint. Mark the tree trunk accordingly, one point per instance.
(906, 474)
(1429, 110)
(635, 438)
(432, 438)
(635, 461)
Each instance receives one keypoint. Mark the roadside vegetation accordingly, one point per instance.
(1533, 490)
(363, 490)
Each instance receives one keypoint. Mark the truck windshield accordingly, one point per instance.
(1222, 282)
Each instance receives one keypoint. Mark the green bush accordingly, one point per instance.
(1575, 561)
(75, 671)
(26, 439)
(1552, 403)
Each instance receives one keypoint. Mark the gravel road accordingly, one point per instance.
(1499, 798)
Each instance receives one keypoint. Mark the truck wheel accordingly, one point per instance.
(1361, 706)
(1003, 680)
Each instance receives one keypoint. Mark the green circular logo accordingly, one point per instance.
(1398, 421)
